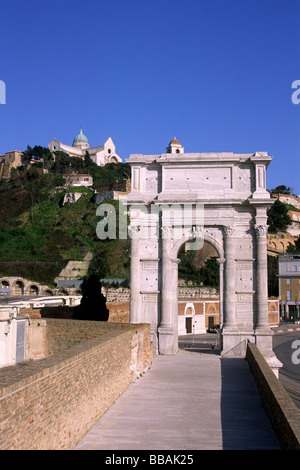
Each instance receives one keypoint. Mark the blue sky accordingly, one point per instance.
(216, 74)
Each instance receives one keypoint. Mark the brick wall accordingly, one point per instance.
(50, 404)
(118, 312)
(294, 287)
(282, 411)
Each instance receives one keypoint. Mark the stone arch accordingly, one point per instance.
(231, 189)
(49, 292)
(189, 309)
(5, 287)
(208, 237)
(19, 287)
(211, 309)
(64, 292)
(33, 289)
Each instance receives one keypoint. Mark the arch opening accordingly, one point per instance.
(19, 288)
(34, 290)
(198, 293)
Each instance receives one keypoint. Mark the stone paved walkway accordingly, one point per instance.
(188, 401)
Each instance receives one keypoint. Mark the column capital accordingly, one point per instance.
(261, 230)
(166, 231)
(134, 231)
(229, 230)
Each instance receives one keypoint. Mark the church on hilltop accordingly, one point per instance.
(100, 155)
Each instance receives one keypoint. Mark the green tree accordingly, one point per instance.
(93, 302)
(281, 189)
(294, 248)
(278, 218)
(273, 289)
(211, 273)
(37, 151)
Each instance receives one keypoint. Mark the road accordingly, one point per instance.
(204, 343)
(289, 374)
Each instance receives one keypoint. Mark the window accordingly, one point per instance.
(295, 268)
(288, 281)
(288, 293)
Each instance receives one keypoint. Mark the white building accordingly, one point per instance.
(101, 155)
(76, 179)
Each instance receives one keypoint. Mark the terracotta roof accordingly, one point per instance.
(174, 142)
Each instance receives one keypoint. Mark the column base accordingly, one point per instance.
(264, 342)
(234, 342)
(167, 341)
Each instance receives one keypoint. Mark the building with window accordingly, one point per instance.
(100, 155)
(289, 286)
(76, 179)
(9, 160)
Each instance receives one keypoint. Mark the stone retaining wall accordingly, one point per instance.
(282, 411)
(50, 404)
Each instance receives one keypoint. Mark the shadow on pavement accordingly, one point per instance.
(245, 424)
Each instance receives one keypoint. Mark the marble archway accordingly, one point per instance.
(229, 192)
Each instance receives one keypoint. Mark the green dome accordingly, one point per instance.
(80, 138)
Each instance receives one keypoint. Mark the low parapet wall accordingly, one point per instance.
(282, 411)
(50, 404)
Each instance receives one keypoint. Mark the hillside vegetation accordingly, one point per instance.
(39, 235)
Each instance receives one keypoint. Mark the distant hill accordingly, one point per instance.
(39, 235)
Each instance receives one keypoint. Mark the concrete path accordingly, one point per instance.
(188, 401)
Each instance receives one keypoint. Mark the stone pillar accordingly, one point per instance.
(168, 328)
(229, 320)
(263, 333)
(221, 262)
(135, 276)
(262, 322)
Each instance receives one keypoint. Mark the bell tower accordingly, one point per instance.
(175, 147)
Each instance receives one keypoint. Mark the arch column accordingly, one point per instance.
(221, 262)
(229, 281)
(262, 322)
(135, 276)
(168, 328)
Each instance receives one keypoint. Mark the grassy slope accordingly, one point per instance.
(38, 235)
